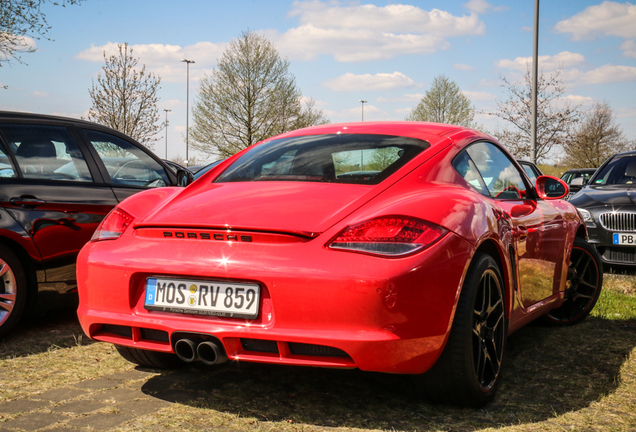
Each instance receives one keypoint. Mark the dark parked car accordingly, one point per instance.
(199, 172)
(606, 203)
(174, 166)
(530, 169)
(59, 177)
(583, 174)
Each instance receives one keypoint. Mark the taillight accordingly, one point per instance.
(388, 236)
(113, 225)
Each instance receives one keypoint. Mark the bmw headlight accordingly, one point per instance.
(586, 215)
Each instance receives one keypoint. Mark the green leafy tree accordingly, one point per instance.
(596, 138)
(251, 96)
(19, 20)
(125, 98)
(444, 103)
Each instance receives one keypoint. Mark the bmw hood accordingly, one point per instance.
(303, 208)
(614, 197)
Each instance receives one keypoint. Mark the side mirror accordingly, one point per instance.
(549, 188)
(184, 177)
(579, 181)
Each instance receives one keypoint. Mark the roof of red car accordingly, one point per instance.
(430, 132)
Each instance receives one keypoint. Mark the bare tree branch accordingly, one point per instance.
(125, 98)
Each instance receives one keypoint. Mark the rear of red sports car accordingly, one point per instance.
(338, 246)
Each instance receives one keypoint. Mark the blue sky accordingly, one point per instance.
(339, 51)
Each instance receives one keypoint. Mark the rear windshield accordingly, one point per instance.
(338, 158)
(619, 171)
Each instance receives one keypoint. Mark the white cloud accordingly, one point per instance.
(580, 100)
(403, 111)
(629, 48)
(607, 19)
(464, 67)
(368, 82)
(40, 94)
(163, 60)
(565, 59)
(482, 7)
(414, 97)
(479, 96)
(354, 33)
(605, 74)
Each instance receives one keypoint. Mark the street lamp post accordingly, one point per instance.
(167, 111)
(187, 62)
(362, 102)
(535, 67)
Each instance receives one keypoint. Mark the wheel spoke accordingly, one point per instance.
(7, 301)
(3, 268)
(576, 266)
(587, 265)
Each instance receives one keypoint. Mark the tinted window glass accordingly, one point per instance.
(46, 152)
(6, 167)
(619, 171)
(342, 158)
(500, 175)
(126, 164)
(530, 172)
(467, 169)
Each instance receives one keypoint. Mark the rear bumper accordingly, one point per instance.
(385, 315)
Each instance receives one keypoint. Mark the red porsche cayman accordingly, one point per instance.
(398, 247)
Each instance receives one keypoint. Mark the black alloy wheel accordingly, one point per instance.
(583, 286)
(488, 330)
(469, 370)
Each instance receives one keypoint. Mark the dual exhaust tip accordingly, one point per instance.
(209, 352)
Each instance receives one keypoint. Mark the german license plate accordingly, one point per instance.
(624, 239)
(233, 300)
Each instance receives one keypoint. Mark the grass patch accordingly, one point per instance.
(614, 305)
(578, 378)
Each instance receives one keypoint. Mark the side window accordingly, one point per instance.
(6, 167)
(531, 174)
(45, 152)
(501, 177)
(127, 165)
(464, 165)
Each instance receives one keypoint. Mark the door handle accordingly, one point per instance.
(27, 201)
(521, 232)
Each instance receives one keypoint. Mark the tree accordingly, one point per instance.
(20, 19)
(597, 138)
(249, 97)
(126, 99)
(556, 118)
(444, 103)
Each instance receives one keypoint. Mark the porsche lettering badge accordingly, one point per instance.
(207, 236)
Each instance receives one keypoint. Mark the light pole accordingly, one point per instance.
(187, 62)
(167, 111)
(362, 102)
(535, 67)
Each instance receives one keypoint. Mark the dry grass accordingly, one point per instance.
(575, 378)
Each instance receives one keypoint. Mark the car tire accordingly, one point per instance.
(583, 286)
(13, 292)
(468, 371)
(150, 359)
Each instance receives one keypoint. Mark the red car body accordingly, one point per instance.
(319, 305)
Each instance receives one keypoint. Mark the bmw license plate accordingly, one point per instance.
(624, 239)
(233, 300)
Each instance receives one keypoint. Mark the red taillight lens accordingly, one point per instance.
(388, 236)
(113, 225)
